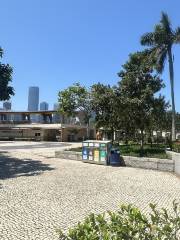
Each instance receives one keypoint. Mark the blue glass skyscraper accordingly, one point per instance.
(33, 99)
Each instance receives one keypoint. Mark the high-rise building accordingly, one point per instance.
(33, 99)
(7, 105)
(33, 102)
(44, 106)
(56, 106)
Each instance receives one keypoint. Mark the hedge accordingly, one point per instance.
(129, 223)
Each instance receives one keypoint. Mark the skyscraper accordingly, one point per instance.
(56, 106)
(33, 102)
(33, 99)
(44, 106)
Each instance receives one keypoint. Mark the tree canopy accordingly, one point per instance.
(134, 104)
(6, 71)
(137, 90)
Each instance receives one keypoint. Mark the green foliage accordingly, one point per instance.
(176, 147)
(160, 41)
(140, 107)
(178, 121)
(129, 223)
(104, 106)
(154, 151)
(5, 78)
(73, 99)
(133, 105)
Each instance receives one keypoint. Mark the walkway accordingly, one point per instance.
(40, 194)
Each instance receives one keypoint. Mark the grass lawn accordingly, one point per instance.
(156, 151)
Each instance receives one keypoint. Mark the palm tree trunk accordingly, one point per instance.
(171, 74)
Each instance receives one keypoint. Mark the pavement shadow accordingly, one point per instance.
(11, 167)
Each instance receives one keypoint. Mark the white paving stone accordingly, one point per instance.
(40, 194)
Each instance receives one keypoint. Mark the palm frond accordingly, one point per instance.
(160, 35)
(166, 23)
(177, 35)
(147, 39)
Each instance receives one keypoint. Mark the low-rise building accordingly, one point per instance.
(21, 127)
(45, 132)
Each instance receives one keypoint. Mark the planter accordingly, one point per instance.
(137, 162)
(149, 163)
(176, 158)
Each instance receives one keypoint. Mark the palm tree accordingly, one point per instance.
(160, 43)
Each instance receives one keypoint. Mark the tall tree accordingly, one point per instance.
(159, 114)
(74, 99)
(104, 106)
(161, 42)
(137, 90)
(6, 71)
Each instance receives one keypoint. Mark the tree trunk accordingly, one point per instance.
(150, 135)
(171, 74)
(87, 129)
(62, 119)
(142, 142)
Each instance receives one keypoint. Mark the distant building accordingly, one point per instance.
(44, 106)
(33, 101)
(56, 106)
(7, 105)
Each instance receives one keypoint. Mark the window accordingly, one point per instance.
(37, 134)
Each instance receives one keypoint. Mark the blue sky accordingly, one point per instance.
(54, 43)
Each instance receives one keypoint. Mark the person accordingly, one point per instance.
(98, 136)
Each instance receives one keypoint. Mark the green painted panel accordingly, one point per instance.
(103, 153)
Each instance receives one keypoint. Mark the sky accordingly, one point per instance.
(55, 43)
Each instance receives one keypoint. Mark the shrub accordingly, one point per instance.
(128, 224)
(156, 150)
(176, 147)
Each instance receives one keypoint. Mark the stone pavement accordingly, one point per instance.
(40, 194)
(41, 148)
